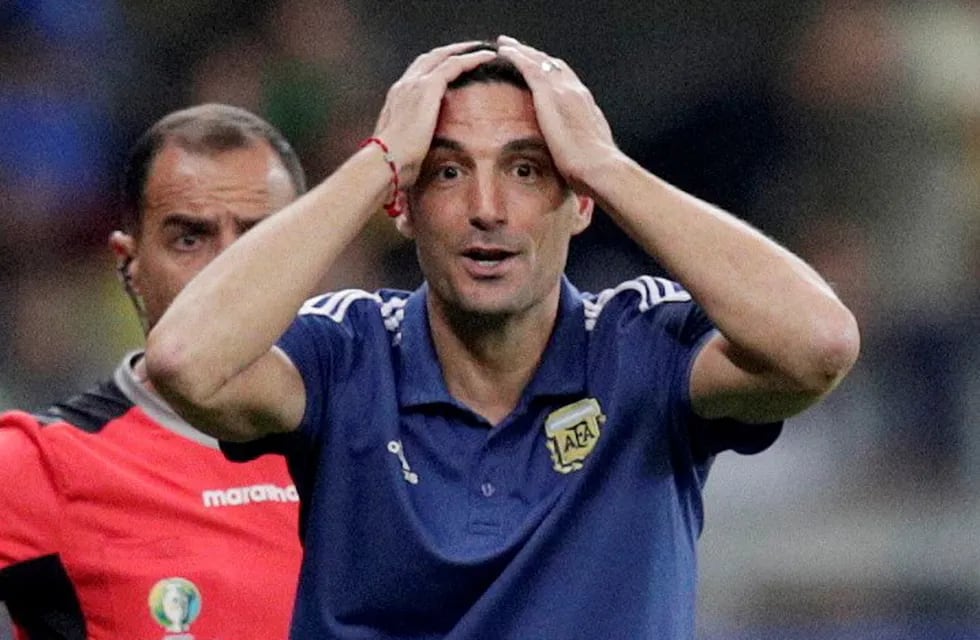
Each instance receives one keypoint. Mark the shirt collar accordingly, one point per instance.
(420, 378)
(561, 372)
(152, 404)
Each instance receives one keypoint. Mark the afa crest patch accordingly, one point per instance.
(572, 432)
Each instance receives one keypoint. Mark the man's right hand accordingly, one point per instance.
(408, 118)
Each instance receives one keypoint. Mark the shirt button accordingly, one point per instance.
(487, 489)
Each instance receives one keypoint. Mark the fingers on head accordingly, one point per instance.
(526, 51)
(428, 61)
(530, 60)
(463, 62)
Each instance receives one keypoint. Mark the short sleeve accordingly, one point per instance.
(710, 437)
(29, 497)
(319, 344)
(690, 328)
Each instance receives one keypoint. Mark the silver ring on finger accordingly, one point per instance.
(550, 65)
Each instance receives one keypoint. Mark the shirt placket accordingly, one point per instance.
(486, 492)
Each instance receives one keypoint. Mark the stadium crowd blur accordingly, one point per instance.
(848, 131)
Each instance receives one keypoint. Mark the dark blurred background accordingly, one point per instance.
(849, 131)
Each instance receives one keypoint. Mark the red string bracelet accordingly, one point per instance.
(393, 208)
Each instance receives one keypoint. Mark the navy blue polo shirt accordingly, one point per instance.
(575, 517)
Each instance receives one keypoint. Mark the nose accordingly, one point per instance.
(228, 234)
(488, 209)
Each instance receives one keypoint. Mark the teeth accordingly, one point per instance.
(488, 263)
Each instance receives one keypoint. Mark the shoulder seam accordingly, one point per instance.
(88, 411)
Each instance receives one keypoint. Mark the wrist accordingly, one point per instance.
(394, 204)
(598, 172)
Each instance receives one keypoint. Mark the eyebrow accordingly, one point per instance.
(190, 223)
(521, 145)
(244, 224)
(195, 224)
(445, 143)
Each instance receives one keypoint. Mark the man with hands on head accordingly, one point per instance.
(497, 454)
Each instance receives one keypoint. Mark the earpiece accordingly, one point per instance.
(126, 277)
(123, 270)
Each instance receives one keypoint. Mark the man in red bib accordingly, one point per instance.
(119, 519)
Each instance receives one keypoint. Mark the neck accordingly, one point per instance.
(487, 361)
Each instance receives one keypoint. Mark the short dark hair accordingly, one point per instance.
(496, 70)
(206, 128)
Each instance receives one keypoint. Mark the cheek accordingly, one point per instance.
(430, 257)
(553, 246)
(434, 224)
(160, 281)
(428, 210)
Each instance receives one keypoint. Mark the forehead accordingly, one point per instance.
(491, 113)
(248, 181)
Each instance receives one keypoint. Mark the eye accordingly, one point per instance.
(448, 172)
(526, 171)
(187, 241)
(443, 174)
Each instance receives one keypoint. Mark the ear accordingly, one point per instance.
(404, 222)
(584, 205)
(123, 246)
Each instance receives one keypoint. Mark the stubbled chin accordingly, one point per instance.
(496, 296)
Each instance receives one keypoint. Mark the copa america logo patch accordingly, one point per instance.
(175, 603)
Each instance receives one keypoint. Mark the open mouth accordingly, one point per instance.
(487, 257)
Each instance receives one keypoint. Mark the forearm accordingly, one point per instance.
(771, 306)
(240, 304)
